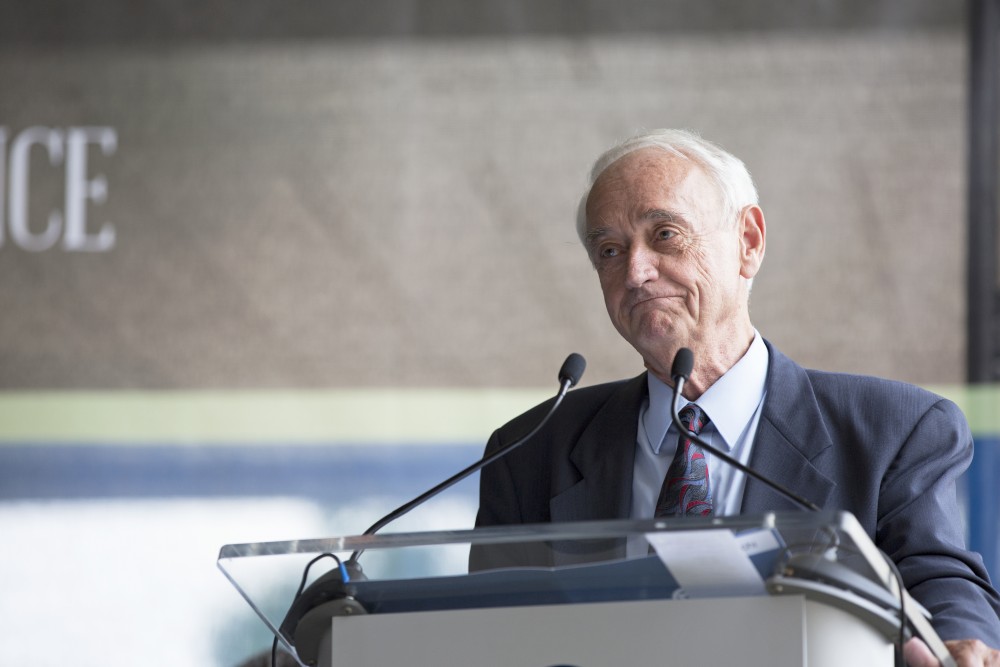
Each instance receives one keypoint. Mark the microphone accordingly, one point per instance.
(680, 372)
(821, 568)
(306, 623)
(569, 375)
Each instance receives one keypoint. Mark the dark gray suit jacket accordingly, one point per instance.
(885, 451)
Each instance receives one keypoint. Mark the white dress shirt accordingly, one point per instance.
(733, 406)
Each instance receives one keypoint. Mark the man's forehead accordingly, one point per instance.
(646, 187)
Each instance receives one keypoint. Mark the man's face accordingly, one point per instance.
(670, 267)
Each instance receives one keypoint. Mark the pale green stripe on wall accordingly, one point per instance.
(301, 416)
(980, 403)
(197, 417)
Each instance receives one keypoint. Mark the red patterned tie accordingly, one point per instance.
(686, 489)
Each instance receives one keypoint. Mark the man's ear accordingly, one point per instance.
(753, 234)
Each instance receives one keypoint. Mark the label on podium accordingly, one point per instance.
(717, 563)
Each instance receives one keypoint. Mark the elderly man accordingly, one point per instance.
(673, 228)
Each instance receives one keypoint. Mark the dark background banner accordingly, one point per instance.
(383, 194)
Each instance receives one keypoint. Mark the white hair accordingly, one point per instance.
(726, 171)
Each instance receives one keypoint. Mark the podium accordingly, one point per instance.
(796, 589)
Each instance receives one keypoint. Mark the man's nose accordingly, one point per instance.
(642, 267)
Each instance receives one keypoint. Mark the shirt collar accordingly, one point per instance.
(729, 403)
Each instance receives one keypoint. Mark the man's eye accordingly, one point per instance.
(608, 252)
(665, 234)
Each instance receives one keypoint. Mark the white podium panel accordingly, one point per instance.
(780, 631)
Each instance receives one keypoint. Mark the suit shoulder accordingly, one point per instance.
(852, 397)
(599, 393)
(868, 385)
(873, 394)
(580, 401)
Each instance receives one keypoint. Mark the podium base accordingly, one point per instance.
(777, 631)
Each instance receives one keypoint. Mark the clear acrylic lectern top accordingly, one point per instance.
(824, 555)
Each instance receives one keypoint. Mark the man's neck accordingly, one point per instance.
(710, 363)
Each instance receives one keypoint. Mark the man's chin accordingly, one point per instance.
(658, 352)
(655, 333)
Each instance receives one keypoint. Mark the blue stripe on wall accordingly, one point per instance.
(325, 473)
(984, 503)
(332, 474)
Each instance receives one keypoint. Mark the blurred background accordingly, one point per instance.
(267, 270)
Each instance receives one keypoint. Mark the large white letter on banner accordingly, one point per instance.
(79, 190)
(20, 162)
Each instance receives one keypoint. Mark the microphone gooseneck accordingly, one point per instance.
(680, 372)
(308, 618)
(569, 375)
(809, 566)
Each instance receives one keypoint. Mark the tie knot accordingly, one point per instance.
(693, 418)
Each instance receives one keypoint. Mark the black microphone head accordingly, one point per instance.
(683, 364)
(572, 369)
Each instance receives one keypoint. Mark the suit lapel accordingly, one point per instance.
(603, 457)
(599, 478)
(790, 438)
